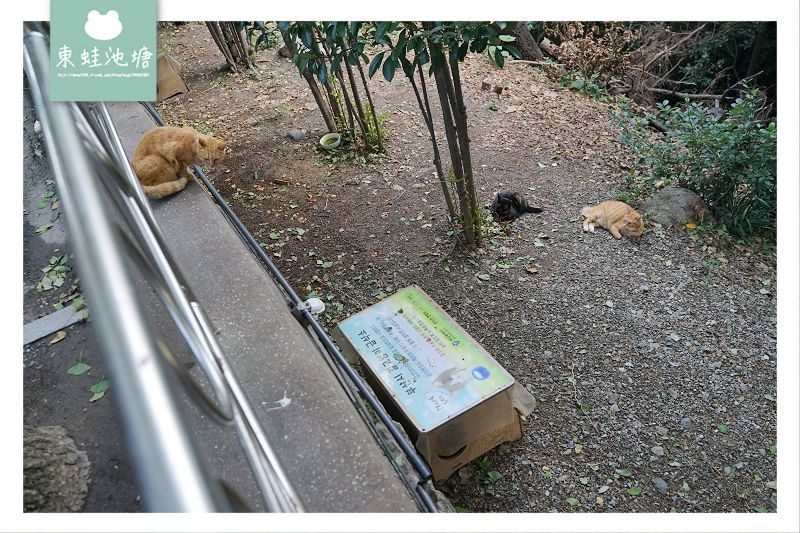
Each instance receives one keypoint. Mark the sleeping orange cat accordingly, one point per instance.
(163, 155)
(617, 217)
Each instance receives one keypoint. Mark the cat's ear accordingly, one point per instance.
(202, 141)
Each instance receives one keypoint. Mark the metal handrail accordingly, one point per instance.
(335, 359)
(86, 152)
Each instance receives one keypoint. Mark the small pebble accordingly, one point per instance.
(657, 450)
(660, 485)
(686, 424)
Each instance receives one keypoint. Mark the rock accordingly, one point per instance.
(37, 127)
(686, 424)
(715, 365)
(283, 51)
(657, 450)
(644, 288)
(662, 431)
(675, 206)
(486, 84)
(55, 473)
(296, 135)
(614, 408)
(660, 485)
(602, 489)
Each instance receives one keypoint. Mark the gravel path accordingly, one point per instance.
(654, 362)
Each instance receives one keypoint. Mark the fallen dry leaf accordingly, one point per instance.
(60, 336)
(531, 270)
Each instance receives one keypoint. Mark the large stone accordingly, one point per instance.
(296, 135)
(675, 206)
(56, 473)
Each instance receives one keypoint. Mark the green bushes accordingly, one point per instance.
(730, 163)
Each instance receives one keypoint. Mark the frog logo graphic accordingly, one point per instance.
(102, 27)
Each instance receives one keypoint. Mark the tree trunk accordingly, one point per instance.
(425, 108)
(347, 103)
(526, 43)
(463, 138)
(323, 107)
(455, 155)
(219, 39)
(356, 99)
(549, 48)
(312, 84)
(371, 104)
(755, 55)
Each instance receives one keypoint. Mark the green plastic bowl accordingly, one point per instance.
(330, 141)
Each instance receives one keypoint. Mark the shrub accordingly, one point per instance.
(730, 163)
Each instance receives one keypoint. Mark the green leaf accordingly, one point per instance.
(773, 450)
(460, 509)
(635, 491)
(375, 63)
(388, 69)
(78, 303)
(45, 227)
(761, 509)
(578, 448)
(722, 428)
(583, 480)
(513, 50)
(41, 205)
(323, 73)
(96, 396)
(572, 502)
(483, 277)
(507, 38)
(78, 369)
(624, 472)
(494, 475)
(327, 264)
(99, 387)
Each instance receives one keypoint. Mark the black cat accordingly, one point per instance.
(508, 205)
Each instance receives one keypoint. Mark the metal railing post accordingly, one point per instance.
(172, 475)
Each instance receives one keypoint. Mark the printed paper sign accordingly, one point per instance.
(103, 50)
(432, 367)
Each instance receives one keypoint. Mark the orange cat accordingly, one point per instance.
(617, 217)
(164, 154)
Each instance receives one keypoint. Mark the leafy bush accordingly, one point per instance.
(730, 163)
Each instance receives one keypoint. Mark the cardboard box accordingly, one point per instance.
(452, 398)
(169, 82)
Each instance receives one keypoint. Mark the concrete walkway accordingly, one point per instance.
(322, 442)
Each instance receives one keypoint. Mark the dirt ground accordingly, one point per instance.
(653, 362)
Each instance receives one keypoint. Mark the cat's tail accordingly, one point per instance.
(534, 209)
(163, 190)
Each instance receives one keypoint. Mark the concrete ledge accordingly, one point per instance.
(47, 325)
(324, 445)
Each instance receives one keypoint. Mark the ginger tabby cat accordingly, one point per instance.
(163, 155)
(617, 217)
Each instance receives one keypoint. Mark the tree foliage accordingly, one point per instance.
(331, 54)
(439, 47)
(730, 163)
